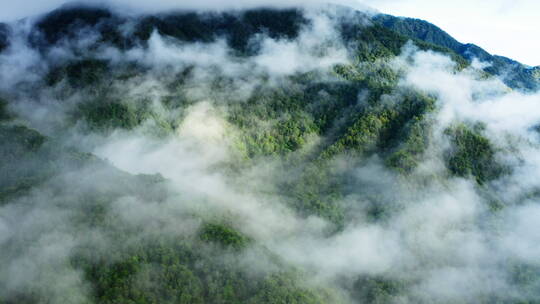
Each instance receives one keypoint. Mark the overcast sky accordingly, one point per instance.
(505, 27)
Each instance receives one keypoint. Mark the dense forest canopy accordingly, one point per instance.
(274, 155)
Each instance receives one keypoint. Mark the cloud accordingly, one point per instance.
(438, 234)
(501, 27)
(17, 10)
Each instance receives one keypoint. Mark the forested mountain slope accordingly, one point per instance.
(515, 74)
(293, 155)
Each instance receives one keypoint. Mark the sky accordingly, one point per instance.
(503, 27)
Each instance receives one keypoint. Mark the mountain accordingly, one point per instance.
(240, 28)
(515, 74)
(270, 155)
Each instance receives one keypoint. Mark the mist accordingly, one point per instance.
(284, 145)
(15, 11)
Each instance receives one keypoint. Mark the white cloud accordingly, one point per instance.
(439, 232)
(19, 9)
(504, 27)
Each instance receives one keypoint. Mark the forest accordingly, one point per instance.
(271, 155)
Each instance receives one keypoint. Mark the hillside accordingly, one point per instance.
(515, 74)
(293, 155)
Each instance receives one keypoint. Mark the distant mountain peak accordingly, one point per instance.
(514, 74)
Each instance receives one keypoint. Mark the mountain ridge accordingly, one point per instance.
(513, 73)
(519, 75)
(295, 155)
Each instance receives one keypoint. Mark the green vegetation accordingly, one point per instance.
(419, 29)
(69, 23)
(23, 140)
(513, 73)
(79, 73)
(238, 28)
(4, 36)
(110, 115)
(376, 42)
(329, 150)
(377, 290)
(4, 113)
(164, 272)
(473, 155)
(223, 235)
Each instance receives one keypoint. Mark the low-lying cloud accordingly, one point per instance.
(29, 8)
(438, 234)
